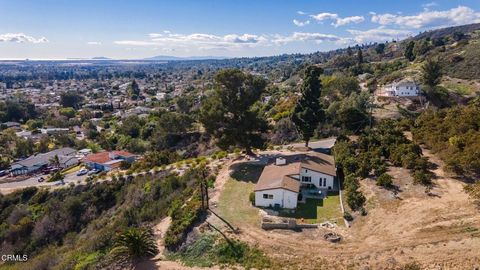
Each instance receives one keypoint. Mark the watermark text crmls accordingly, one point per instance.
(13, 258)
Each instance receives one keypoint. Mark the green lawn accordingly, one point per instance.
(72, 169)
(234, 204)
(318, 211)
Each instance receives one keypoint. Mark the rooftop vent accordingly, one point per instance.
(280, 161)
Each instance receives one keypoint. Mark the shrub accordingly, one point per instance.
(183, 219)
(135, 244)
(355, 199)
(385, 180)
(422, 177)
(379, 170)
(251, 198)
(347, 216)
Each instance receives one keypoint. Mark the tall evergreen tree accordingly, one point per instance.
(133, 90)
(359, 56)
(431, 72)
(230, 115)
(308, 112)
(409, 54)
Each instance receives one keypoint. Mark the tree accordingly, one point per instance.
(58, 176)
(431, 72)
(355, 199)
(308, 112)
(133, 90)
(55, 161)
(349, 51)
(380, 48)
(68, 112)
(457, 36)
(133, 245)
(385, 180)
(359, 56)
(409, 51)
(230, 114)
(71, 99)
(421, 47)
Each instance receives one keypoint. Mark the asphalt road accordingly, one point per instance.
(33, 181)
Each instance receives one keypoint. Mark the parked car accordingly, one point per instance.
(40, 179)
(94, 171)
(82, 172)
(3, 173)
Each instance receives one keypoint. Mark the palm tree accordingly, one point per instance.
(134, 245)
(55, 161)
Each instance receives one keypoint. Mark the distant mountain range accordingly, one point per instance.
(176, 58)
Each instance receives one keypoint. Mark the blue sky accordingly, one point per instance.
(58, 29)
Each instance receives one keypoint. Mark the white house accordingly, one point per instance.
(403, 88)
(280, 184)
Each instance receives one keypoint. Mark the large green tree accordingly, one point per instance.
(308, 112)
(431, 72)
(71, 99)
(230, 114)
(409, 54)
(133, 90)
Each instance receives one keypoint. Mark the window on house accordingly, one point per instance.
(267, 196)
(324, 181)
(307, 179)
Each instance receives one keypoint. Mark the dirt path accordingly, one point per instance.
(222, 177)
(440, 231)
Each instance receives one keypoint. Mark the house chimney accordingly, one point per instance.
(280, 161)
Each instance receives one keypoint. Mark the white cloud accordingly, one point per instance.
(155, 35)
(348, 20)
(21, 38)
(429, 5)
(378, 35)
(306, 36)
(300, 23)
(202, 41)
(337, 20)
(198, 40)
(325, 16)
(301, 13)
(94, 43)
(455, 16)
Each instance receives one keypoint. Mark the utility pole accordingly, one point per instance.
(204, 190)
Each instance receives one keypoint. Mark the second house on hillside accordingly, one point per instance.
(106, 161)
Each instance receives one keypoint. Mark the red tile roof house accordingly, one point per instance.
(312, 174)
(106, 161)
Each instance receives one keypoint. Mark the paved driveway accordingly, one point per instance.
(317, 145)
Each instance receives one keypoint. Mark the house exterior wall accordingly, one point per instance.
(316, 177)
(403, 90)
(94, 165)
(282, 197)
